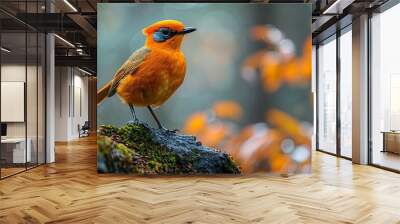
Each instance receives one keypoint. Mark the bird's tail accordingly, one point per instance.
(102, 94)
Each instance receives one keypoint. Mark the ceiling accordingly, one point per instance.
(76, 22)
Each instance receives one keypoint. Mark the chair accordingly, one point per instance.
(84, 130)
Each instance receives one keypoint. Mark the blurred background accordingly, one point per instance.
(248, 79)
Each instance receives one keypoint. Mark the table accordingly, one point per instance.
(391, 141)
(13, 150)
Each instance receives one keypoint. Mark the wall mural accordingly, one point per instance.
(202, 88)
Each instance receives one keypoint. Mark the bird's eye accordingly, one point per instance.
(163, 34)
(165, 31)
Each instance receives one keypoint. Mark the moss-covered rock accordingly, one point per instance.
(138, 148)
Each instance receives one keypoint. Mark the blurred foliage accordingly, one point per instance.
(228, 109)
(212, 133)
(277, 63)
(281, 143)
(282, 147)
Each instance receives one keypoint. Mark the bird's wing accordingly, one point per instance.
(128, 67)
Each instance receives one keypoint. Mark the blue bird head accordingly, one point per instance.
(165, 33)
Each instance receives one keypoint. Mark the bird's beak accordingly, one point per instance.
(188, 30)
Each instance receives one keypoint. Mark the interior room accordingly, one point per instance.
(385, 88)
(72, 110)
(22, 100)
(49, 93)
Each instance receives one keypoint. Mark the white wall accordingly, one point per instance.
(34, 106)
(61, 104)
(16, 73)
(71, 102)
(12, 73)
(80, 110)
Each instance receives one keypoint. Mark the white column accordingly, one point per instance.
(314, 91)
(360, 90)
(50, 94)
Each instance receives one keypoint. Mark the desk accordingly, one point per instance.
(15, 148)
(391, 141)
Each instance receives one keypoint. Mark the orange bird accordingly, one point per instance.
(152, 73)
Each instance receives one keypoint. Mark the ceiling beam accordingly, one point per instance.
(86, 27)
(80, 61)
(337, 6)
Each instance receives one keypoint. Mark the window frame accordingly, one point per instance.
(333, 37)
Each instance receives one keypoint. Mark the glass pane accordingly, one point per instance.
(386, 89)
(327, 96)
(13, 84)
(346, 94)
(31, 98)
(23, 91)
(32, 89)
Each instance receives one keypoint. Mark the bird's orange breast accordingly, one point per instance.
(155, 80)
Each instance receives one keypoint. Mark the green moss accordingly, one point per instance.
(115, 156)
(136, 138)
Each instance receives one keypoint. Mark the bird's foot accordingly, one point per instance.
(135, 121)
(174, 131)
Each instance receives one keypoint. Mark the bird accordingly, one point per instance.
(152, 74)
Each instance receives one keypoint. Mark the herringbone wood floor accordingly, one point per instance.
(70, 191)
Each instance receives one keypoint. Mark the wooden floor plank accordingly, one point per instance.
(70, 191)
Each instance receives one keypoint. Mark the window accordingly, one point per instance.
(327, 96)
(385, 89)
(346, 93)
(22, 95)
